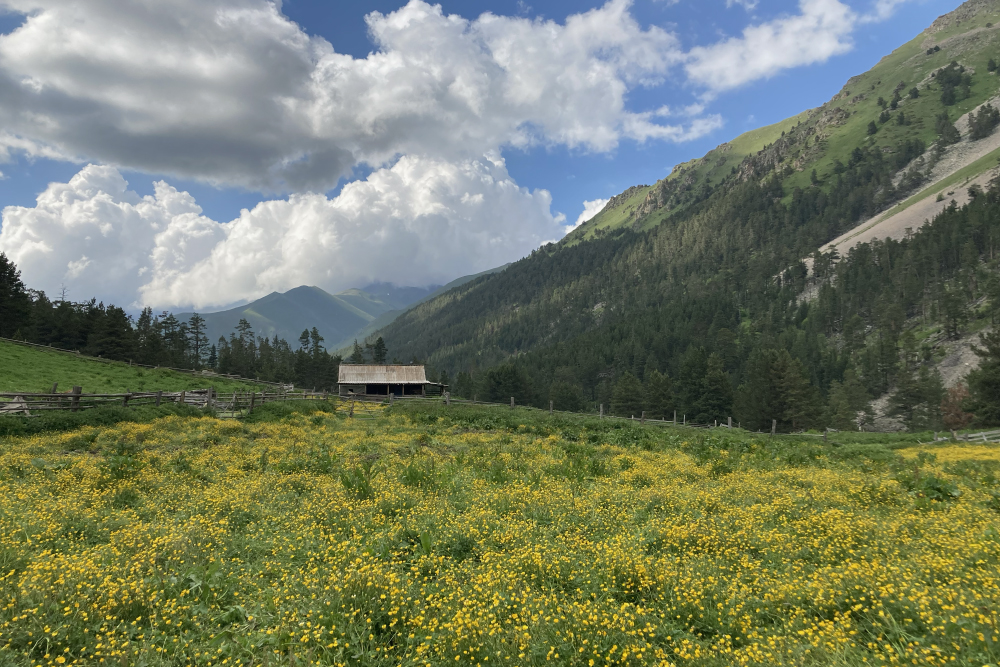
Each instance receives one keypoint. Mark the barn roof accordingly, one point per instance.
(373, 374)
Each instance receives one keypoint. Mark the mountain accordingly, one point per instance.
(757, 281)
(385, 319)
(338, 316)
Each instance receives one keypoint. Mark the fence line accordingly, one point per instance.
(239, 404)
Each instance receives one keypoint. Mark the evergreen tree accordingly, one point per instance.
(799, 399)
(197, 340)
(114, 338)
(379, 351)
(464, 385)
(659, 396)
(502, 382)
(566, 396)
(917, 398)
(358, 355)
(952, 413)
(984, 382)
(627, 396)
(947, 133)
(849, 405)
(213, 358)
(717, 401)
(15, 303)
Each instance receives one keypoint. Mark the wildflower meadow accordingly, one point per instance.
(465, 536)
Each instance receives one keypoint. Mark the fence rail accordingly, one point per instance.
(239, 404)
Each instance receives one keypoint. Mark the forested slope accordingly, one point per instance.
(692, 293)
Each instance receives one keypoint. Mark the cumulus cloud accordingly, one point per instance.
(821, 30)
(420, 221)
(590, 209)
(233, 92)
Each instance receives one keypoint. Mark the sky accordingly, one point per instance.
(202, 153)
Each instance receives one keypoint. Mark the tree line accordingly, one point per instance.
(159, 340)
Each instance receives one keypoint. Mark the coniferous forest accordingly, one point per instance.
(158, 340)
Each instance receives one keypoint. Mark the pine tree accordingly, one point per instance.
(800, 400)
(984, 382)
(717, 402)
(849, 405)
(197, 339)
(15, 303)
(566, 396)
(626, 396)
(358, 355)
(659, 396)
(379, 351)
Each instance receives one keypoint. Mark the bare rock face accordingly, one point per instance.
(965, 12)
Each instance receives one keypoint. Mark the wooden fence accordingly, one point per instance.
(238, 404)
(235, 404)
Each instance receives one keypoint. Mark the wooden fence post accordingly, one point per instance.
(447, 398)
(159, 397)
(511, 402)
(235, 403)
(55, 385)
(391, 396)
(642, 418)
(685, 420)
(550, 407)
(824, 434)
(351, 413)
(730, 422)
(253, 396)
(675, 418)
(182, 398)
(774, 426)
(601, 415)
(76, 398)
(125, 399)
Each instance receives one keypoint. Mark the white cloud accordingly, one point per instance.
(748, 5)
(233, 92)
(419, 222)
(882, 10)
(590, 209)
(822, 29)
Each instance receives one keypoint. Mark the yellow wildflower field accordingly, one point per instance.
(428, 539)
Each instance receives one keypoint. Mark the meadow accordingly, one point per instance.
(474, 536)
(35, 369)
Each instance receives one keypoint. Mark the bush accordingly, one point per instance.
(56, 421)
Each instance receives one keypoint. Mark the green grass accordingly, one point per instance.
(32, 369)
(479, 536)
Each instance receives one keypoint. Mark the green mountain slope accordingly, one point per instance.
(700, 275)
(337, 316)
(819, 139)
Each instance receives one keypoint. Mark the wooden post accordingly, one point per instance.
(351, 413)
(602, 411)
(76, 398)
(824, 435)
(391, 396)
(55, 385)
(208, 401)
(182, 398)
(447, 398)
(550, 408)
(642, 419)
(253, 396)
(511, 402)
(774, 426)
(675, 418)
(235, 404)
(125, 399)
(716, 423)
(685, 420)
(159, 397)
(730, 422)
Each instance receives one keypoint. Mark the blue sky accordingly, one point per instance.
(293, 112)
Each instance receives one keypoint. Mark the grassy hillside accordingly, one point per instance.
(700, 277)
(819, 139)
(473, 537)
(33, 369)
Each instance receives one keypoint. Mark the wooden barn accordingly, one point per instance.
(382, 380)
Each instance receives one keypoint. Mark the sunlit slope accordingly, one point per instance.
(34, 369)
(824, 138)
